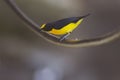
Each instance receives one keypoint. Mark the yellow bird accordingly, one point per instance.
(63, 27)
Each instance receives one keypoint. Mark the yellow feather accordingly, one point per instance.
(43, 26)
(66, 29)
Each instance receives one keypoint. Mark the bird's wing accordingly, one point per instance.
(61, 23)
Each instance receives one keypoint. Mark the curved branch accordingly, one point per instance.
(69, 43)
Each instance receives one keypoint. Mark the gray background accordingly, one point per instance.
(26, 56)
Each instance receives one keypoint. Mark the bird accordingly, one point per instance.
(63, 27)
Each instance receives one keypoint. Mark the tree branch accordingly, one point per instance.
(68, 43)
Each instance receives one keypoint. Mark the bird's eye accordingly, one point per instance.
(47, 28)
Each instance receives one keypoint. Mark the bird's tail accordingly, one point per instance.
(85, 16)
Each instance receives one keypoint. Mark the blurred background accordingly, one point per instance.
(26, 56)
